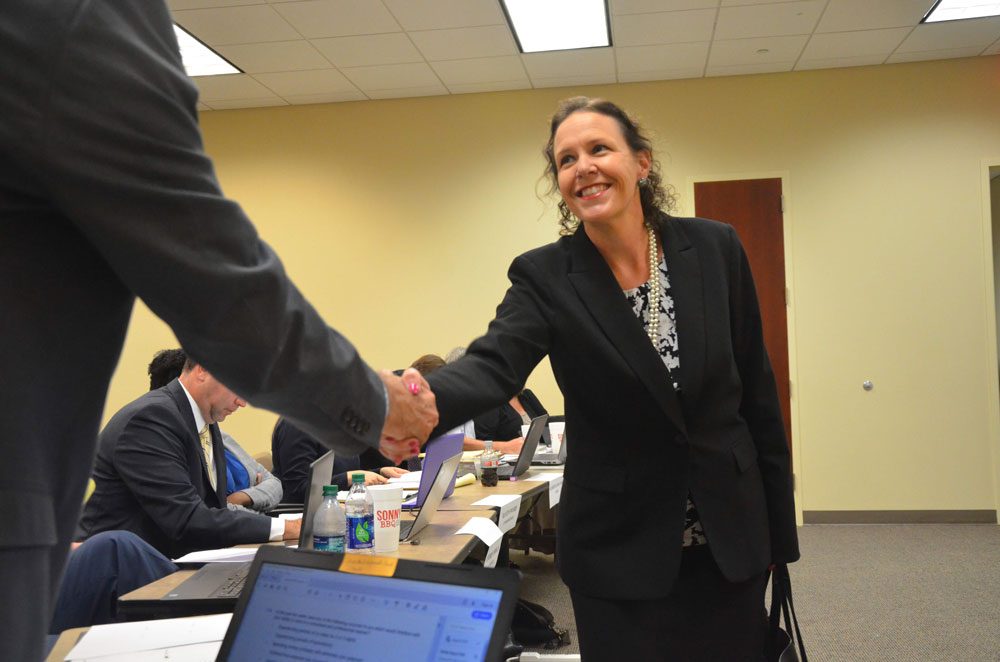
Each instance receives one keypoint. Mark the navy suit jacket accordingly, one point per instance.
(151, 479)
(637, 448)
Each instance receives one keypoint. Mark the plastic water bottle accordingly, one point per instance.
(489, 463)
(329, 523)
(360, 517)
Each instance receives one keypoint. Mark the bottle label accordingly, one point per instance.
(359, 532)
(328, 543)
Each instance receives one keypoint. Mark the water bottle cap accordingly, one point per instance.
(357, 478)
(330, 490)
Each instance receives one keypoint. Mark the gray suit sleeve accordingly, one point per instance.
(120, 152)
(267, 493)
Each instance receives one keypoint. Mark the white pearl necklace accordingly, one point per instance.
(653, 326)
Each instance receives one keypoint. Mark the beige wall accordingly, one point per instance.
(399, 218)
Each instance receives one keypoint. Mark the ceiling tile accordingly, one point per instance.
(369, 50)
(337, 18)
(482, 70)
(501, 86)
(236, 25)
(785, 18)
(333, 97)
(663, 74)
(437, 14)
(318, 81)
(740, 52)
(574, 81)
(748, 69)
(979, 32)
(402, 92)
(236, 86)
(944, 54)
(649, 6)
(844, 15)
(464, 43)
(664, 27)
(848, 44)
(261, 102)
(599, 62)
(838, 62)
(274, 56)
(665, 57)
(392, 77)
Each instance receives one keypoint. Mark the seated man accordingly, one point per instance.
(292, 451)
(160, 472)
(248, 483)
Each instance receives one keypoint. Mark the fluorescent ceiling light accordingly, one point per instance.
(558, 25)
(199, 59)
(954, 10)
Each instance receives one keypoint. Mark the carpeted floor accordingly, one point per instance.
(886, 593)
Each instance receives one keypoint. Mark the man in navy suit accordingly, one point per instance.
(161, 472)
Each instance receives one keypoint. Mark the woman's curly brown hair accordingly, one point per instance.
(655, 195)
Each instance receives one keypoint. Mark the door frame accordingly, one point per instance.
(992, 381)
(686, 208)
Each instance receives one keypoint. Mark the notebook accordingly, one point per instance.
(545, 456)
(444, 478)
(436, 452)
(300, 605)
(506, 471)
(216, 586)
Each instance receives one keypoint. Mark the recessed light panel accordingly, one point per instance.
(955, 10)
(199, 59)
(558, 25)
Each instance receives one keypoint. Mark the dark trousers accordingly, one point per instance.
(704, 617)
(106, 566)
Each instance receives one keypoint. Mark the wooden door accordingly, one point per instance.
(753, 207)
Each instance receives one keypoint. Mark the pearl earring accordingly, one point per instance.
(643, 182)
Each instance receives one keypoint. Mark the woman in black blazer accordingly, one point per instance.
(677, 492)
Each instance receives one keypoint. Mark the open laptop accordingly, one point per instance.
(507, 471)
(216, 586)
(546, 457)
(435, 453)
(445, 476)
(301, 605)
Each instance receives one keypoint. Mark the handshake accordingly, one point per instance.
(412, 414)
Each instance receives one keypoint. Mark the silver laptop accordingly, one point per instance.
(544, 455)
(535, 429)
(409, 529)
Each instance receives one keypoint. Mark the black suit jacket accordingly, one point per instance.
(638, 448)
(106, 194)
(151, 479)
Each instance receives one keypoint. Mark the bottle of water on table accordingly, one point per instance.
(329, 523)
(360, 517)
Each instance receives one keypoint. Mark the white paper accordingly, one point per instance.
(206, 652)
(484, 529)
(224, 555)
(509, 505)
(412, 477)
(288, 516)
(128, 639)
(555, 481)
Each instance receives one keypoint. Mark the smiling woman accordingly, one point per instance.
(664, 312)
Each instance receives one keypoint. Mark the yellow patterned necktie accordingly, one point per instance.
(206, 449)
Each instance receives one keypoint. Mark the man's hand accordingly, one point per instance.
(392, 472)
(240, 499)
(371, 478)
(412, 414)
(511, 447)
(292, 528)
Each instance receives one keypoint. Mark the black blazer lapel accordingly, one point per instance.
(686, 289)
(597, 288)
(176, 391)
(219, 452)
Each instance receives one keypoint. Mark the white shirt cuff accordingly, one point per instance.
(277, 529)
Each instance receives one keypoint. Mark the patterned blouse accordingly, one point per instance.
(638, 298)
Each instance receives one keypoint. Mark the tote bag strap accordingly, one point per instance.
(781, 596)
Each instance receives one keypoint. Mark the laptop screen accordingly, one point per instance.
(318, 614)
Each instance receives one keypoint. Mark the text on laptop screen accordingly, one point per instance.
(314, 614)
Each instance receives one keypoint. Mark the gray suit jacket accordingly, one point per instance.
(106, 194)
(268, 492)
(151, 479)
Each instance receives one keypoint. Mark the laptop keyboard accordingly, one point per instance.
(234, 584)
